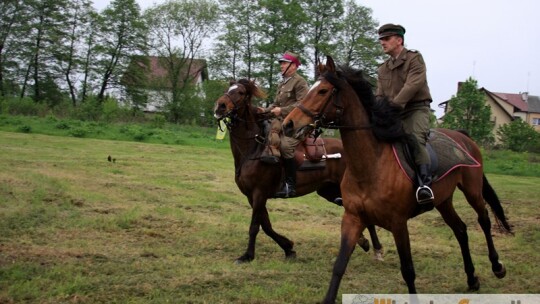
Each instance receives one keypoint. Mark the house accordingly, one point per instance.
(148, 78)
(506, 107)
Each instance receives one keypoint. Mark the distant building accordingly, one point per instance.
(506, 107)
(150, 76)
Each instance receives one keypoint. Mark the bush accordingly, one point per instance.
(24, 129)
(78, 132)
(519, 136)
(158, 121)
(91, 109)
(62, 125)
(22, 106)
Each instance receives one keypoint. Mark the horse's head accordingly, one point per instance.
(321, 106)
(237, 98)
(335, 91)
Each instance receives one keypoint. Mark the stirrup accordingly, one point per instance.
(286, 192)
(270, 159)
(425, 200)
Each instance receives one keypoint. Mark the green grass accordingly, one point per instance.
(164, 223)
(512, 163)
(149, 132)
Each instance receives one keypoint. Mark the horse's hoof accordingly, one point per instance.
(475, 284)
(501, 273)
(290, 255)
(363, 243)
(378, 256)
(243, 260)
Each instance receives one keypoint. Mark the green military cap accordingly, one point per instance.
(390, 29)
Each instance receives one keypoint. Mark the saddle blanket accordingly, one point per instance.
(449, 153)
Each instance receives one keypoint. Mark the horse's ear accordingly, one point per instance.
(330, 63)
(318, 68)
(231, 82)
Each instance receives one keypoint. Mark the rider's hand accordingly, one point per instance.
(276, 111)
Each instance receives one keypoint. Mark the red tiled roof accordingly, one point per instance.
(156, 71)
(515, 100)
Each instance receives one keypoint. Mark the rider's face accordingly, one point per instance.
(391, 45)
(287, 72)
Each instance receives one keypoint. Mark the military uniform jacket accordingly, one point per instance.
(403, 79)
(290, 92)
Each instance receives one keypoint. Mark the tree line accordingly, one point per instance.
(65, 53)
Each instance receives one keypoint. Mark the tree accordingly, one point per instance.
(44, 25)
(122, 33)
(88, 50)
(469, 111)
(324, 22)
(176, 33)
(10, 19)
(280, 26)
(235, 49)
(358, 44)
(518, 136)
(69, 54)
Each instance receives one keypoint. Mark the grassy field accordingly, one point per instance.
(164, 223)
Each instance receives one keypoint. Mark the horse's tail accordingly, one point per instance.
(493, 201)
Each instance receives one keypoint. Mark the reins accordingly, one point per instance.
(320, 117)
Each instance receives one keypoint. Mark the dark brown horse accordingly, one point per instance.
(259, 181)
(375, 191)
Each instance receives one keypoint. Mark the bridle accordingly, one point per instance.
(231, 118)
(320, 118)
(232, 115)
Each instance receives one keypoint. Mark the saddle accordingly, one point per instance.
(309, 154)
(446, 155)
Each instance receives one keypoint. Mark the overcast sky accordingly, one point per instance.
(497, 42)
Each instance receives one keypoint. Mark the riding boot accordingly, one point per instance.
(424, 194)
(271, 153)
(289, 188)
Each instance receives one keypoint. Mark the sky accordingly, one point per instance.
(496, 42)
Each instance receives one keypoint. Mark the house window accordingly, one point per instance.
(536, 121)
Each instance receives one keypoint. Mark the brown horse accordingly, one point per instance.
(375, 191)
(259, 181)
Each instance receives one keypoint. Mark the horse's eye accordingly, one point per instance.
(241, 93)
(323, 91)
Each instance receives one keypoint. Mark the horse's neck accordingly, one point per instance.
(242, 137)
(361, 146)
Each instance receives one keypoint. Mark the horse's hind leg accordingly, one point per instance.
(378, 250)
(260, 218)
(283, 242)
(331, 192)
(477, 202)
(452, 219)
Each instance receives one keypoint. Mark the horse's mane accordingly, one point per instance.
(252, 89)
(383, 115)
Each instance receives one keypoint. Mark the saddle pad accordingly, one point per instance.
(450, 155)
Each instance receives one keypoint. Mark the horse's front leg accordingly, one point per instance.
(403, 244)
(254, 227)
(351, 228)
